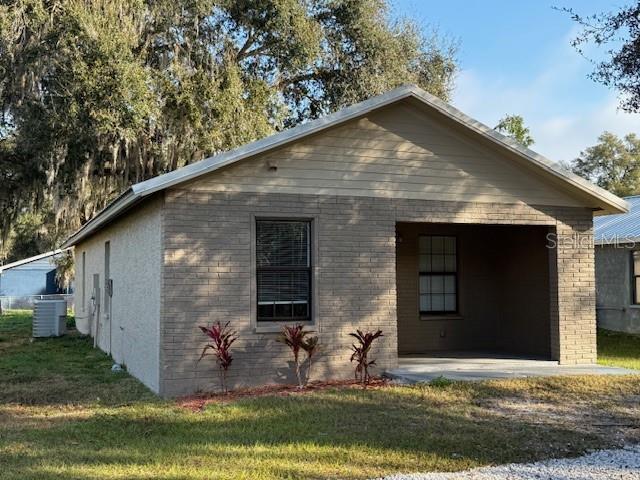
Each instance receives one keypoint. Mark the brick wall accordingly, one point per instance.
(208, 264)
(207, 277)
(576, 290)
(572, 277)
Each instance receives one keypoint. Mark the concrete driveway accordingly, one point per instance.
(484, 366)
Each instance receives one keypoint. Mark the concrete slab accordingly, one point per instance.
(474, 367)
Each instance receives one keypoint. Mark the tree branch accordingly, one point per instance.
(315, 75)
(251, 53)
(247, 44)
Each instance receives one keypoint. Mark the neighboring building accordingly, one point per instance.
(617, 246)
(25, 280)
(398, 213)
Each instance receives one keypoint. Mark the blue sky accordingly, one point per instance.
(515, 58)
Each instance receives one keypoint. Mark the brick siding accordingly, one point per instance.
(208, 267)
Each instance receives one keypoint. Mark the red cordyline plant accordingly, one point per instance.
(361, 352)
(297, 338)
(311, 346)
(222, 338)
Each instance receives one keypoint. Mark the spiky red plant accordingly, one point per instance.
(222, 338)
(311, 346)
(295, 337)
(361, 352)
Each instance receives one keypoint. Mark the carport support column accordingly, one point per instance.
(573, 294)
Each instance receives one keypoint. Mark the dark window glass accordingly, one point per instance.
(635, 272)
(438, 266)
(283, 269)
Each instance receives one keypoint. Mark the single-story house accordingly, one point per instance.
(399, 213)
(617, 246)
(23, 280)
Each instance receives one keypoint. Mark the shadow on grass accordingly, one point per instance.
(342, 434)
(64, 414)
(49, 371)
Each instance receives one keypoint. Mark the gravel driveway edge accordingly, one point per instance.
(620, 464)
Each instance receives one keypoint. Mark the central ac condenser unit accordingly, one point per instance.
(49, 318)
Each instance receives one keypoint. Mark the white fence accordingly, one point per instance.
(27, 301)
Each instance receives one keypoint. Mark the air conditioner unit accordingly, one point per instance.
(49, 318)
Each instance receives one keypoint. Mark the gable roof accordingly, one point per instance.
(620, 228)
(25, 261)
(605, 200)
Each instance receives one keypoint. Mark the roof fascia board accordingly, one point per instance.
(535, 158)
(271, 142)
(213, 163)
(120, 204)
(24, 261)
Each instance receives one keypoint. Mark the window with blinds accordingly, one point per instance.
(438, 266)
(283, 270)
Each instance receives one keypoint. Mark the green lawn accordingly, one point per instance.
(618, 349)
(64, 414)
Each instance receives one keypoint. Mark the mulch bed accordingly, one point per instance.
(199, 401)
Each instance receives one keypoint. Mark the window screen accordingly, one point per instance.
(283, 270)
(438, 266)
(635, 277)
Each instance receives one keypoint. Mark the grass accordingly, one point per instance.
(57, 370)
(64, 414)
(618, 349)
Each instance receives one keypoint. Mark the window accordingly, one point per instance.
(107, 276)
(438, 266)
(635, 277)
(84, 280)
(283, 270)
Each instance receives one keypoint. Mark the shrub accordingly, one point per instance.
(65, 270)
(361, 352)
(310, 346)
(297, 338)
(222, 338)
(441, 382)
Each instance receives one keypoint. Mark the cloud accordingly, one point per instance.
(563, 137)
(565, 111)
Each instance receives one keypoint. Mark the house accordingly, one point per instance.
(399, 213)
(617, 255)
(24, 280)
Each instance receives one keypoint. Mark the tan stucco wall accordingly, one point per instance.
(503, 291)
(208, 277)
(133, 337)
